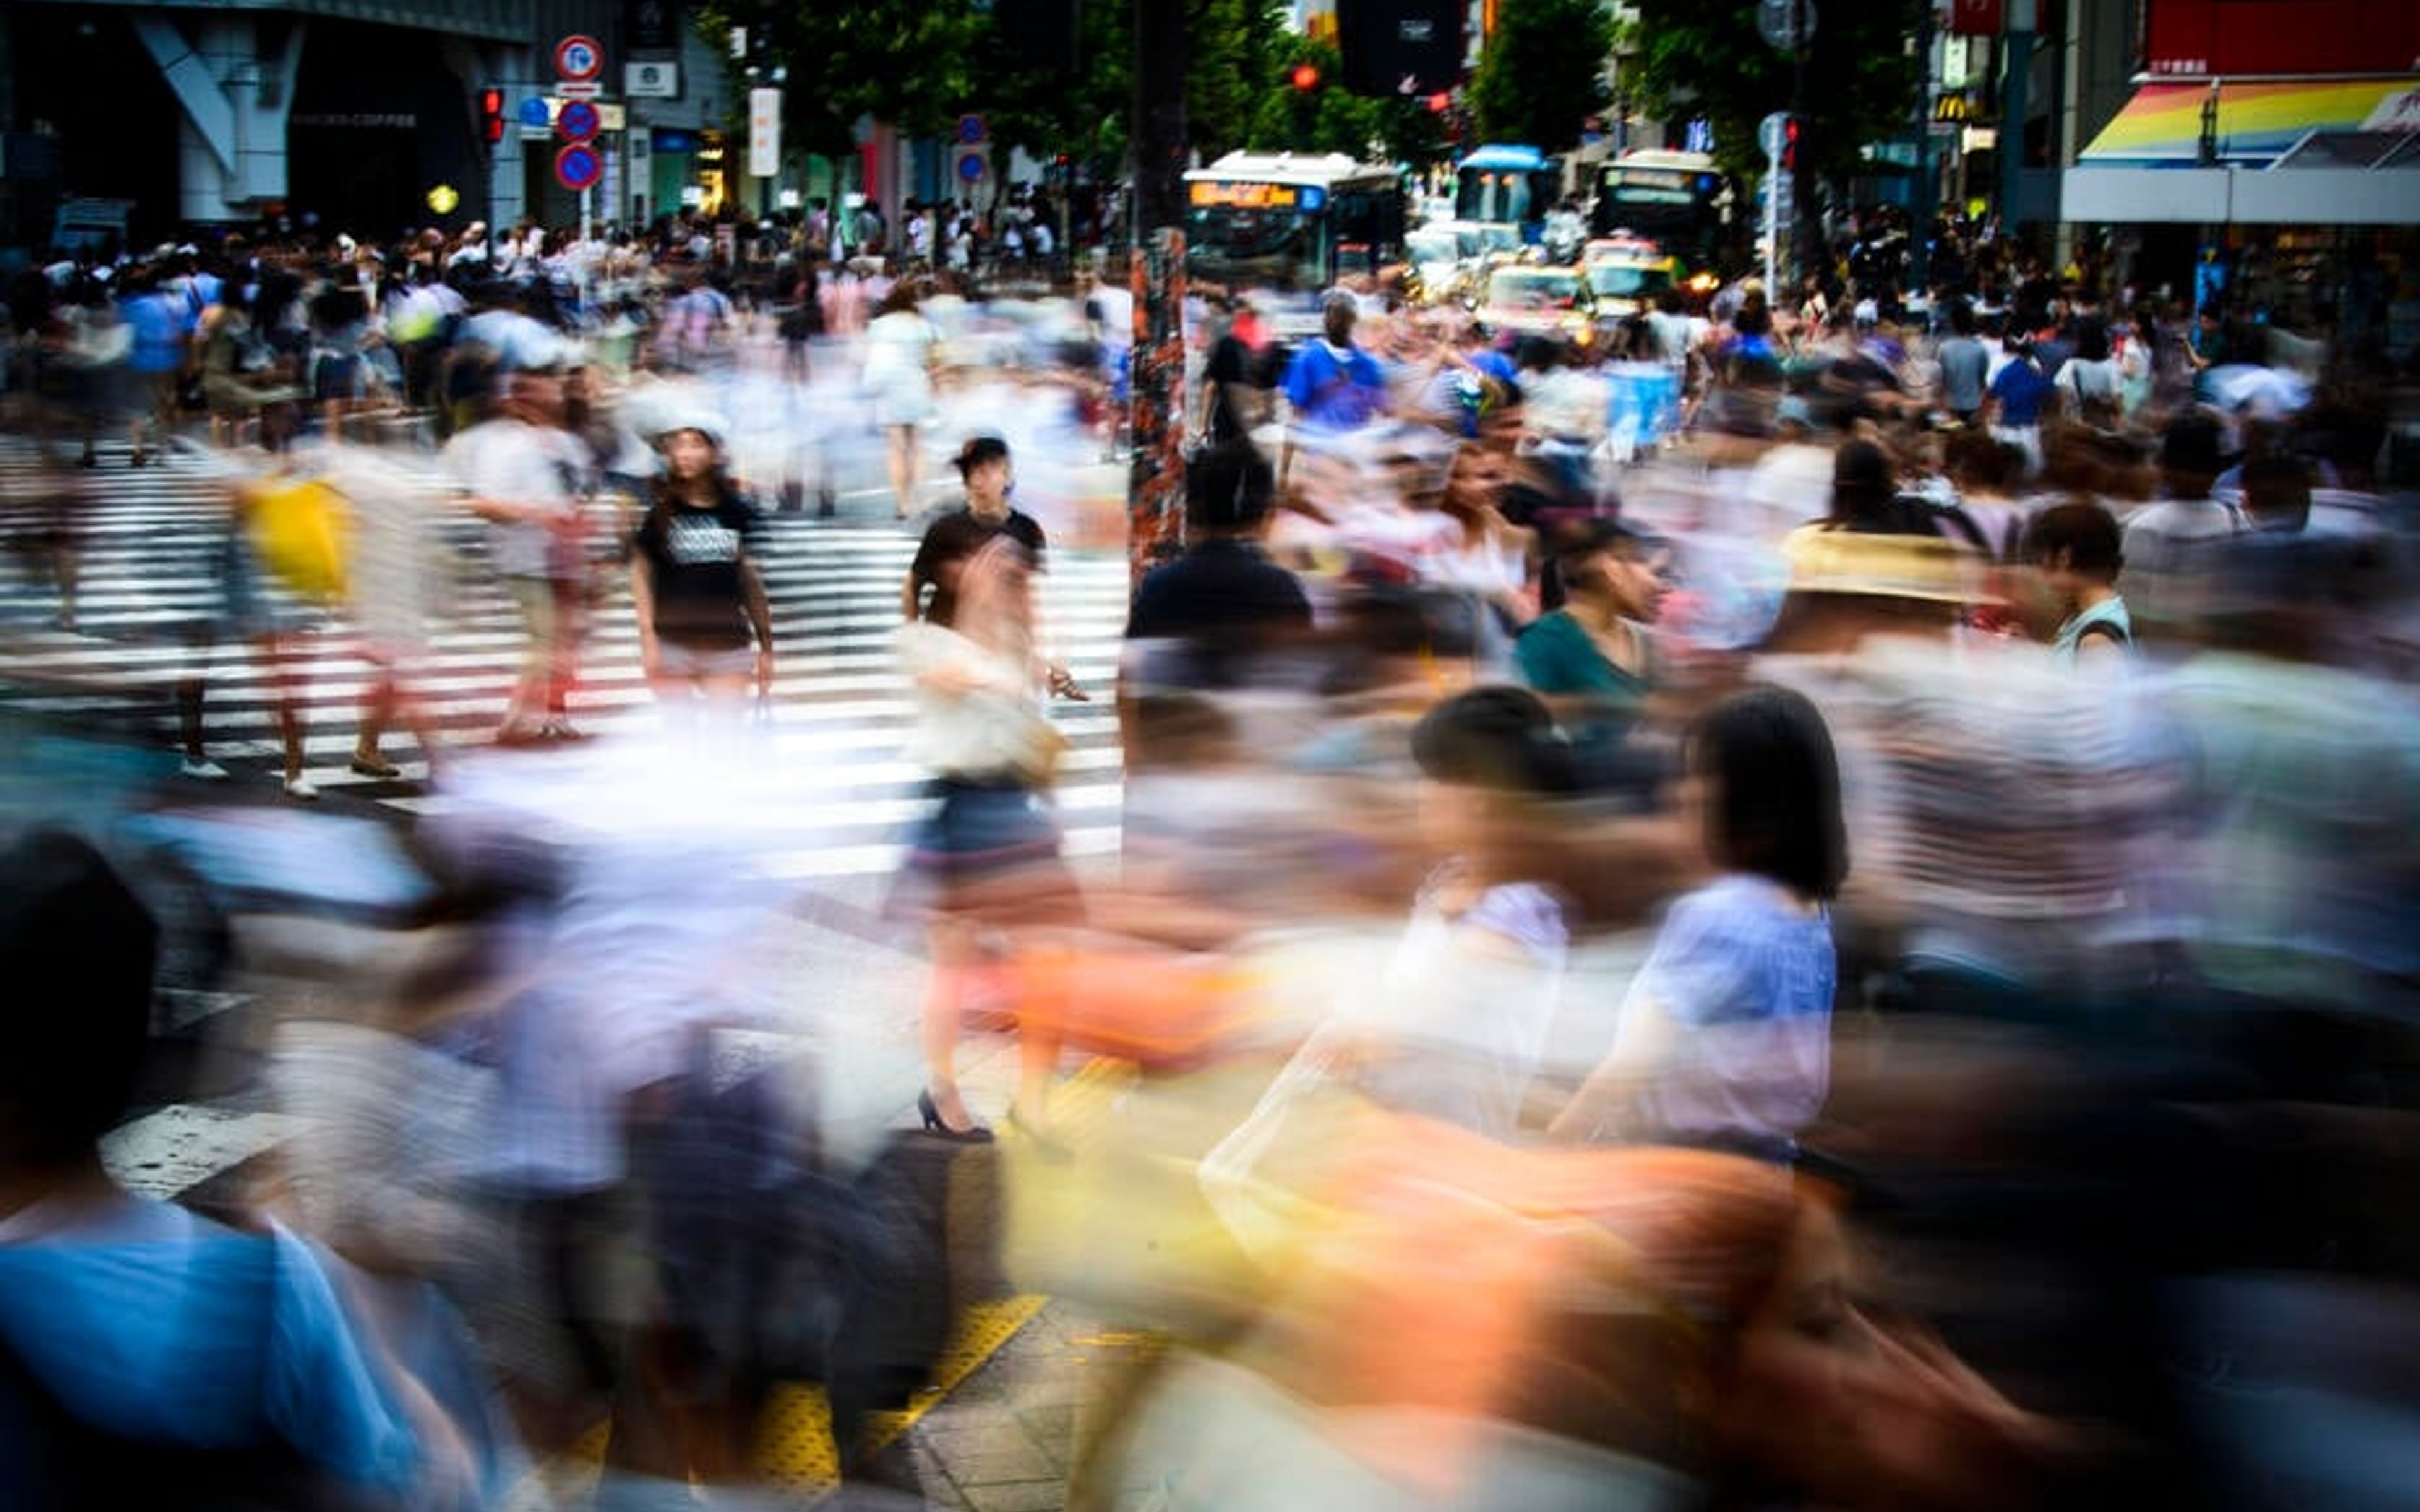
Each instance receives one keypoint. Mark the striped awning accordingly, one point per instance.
(2258, 123)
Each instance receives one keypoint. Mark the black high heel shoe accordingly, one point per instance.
(977, 1134)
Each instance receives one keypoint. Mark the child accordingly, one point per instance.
(2075, 547)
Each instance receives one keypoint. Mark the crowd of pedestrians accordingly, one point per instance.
(1808, 909)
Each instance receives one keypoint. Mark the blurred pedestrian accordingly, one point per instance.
(528, 477)
(2075, 548)
(986, 860)
(158, 1357)
(902, 350)
(1725, 1037)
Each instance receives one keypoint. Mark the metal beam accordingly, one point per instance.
(197, 88)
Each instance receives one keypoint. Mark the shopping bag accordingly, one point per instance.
(300, 528)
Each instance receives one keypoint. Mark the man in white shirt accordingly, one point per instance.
(527, 476)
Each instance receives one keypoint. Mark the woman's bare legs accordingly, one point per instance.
(904, 459)
(955, 947)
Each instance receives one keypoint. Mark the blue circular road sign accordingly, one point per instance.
(534, 112)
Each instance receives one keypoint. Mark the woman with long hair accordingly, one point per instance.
(705, 629)
(901, 347)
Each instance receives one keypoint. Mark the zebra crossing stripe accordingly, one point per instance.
(841, 712)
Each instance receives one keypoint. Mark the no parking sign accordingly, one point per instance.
(578, 167)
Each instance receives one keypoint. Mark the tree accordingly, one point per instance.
(1706, 58)
(1543, 73)
(908, 62)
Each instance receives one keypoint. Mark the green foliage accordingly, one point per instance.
(1543, 73)
(922, 64)
(1705, 57)
(910, 62)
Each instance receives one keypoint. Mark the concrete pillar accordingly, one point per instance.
(235, 82)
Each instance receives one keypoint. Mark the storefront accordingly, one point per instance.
(2295, 202)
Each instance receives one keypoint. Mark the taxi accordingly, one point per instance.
(1627, 274)
(1539, 300)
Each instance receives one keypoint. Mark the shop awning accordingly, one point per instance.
(2258, 122)
(2327, 152)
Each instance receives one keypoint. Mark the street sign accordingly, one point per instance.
(578, 166)
(579, 58)
(764, 133)
(1773, 133)
(971, 129)
(534, 112)
(577, 120)
(974, 164)
(578, 89)
(651, 80)
(1788, 24)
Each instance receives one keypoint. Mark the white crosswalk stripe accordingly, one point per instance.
(840, 711)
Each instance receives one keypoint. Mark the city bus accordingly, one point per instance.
(1678, 200)
(1287, 221)
(1505, 184)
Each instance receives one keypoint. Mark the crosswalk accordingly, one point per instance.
(820, 791)
(831, 794)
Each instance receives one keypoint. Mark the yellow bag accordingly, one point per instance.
(302, 530)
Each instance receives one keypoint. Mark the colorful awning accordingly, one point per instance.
(2258, 123)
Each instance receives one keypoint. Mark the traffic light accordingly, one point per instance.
(1306, 77)
(491, 115)
(1790, 146)
(1440, 102)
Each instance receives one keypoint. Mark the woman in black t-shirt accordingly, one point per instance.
(705, 626)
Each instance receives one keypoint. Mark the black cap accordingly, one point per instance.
(980, 449)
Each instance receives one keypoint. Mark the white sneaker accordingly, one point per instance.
(301, 789)
(204, 770)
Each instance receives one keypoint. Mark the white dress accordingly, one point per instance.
(898, 375)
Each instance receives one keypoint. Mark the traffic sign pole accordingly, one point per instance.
(1773, 134)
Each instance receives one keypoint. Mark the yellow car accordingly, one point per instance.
(1529, 300)
(1629, 279)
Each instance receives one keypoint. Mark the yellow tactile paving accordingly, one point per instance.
(795, 1448)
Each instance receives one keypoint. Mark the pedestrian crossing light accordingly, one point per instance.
(1306, 77)
(491, 115)
(1790, 146)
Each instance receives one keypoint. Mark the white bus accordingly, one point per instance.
(1283, 220)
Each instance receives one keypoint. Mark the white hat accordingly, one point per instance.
(705, 422)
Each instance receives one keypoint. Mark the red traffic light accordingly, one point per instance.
(1789, 143)
(1440, 102)
(1306, 76)
(492, 115)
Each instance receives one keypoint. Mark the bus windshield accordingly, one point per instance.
(1270, 244)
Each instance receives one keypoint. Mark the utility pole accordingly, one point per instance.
(1155, 275)
(2018, 66)
(1924, 202)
